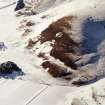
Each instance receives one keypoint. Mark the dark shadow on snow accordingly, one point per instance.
(94, 34)
(12, 76)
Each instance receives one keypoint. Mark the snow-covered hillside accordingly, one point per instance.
(43, 32)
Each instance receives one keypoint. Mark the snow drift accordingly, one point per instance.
(64, 40)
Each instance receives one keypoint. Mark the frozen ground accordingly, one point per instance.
(37, 87)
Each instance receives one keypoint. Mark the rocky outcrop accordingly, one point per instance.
(64, 48)
(65, 58)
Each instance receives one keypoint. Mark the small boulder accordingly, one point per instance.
(9, 67)
(20, 5)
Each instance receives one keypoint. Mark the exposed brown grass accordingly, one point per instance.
(56, 27)
(56, 70)
(31, 43)
(63, 43)
(27, 32)
(64, 47)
